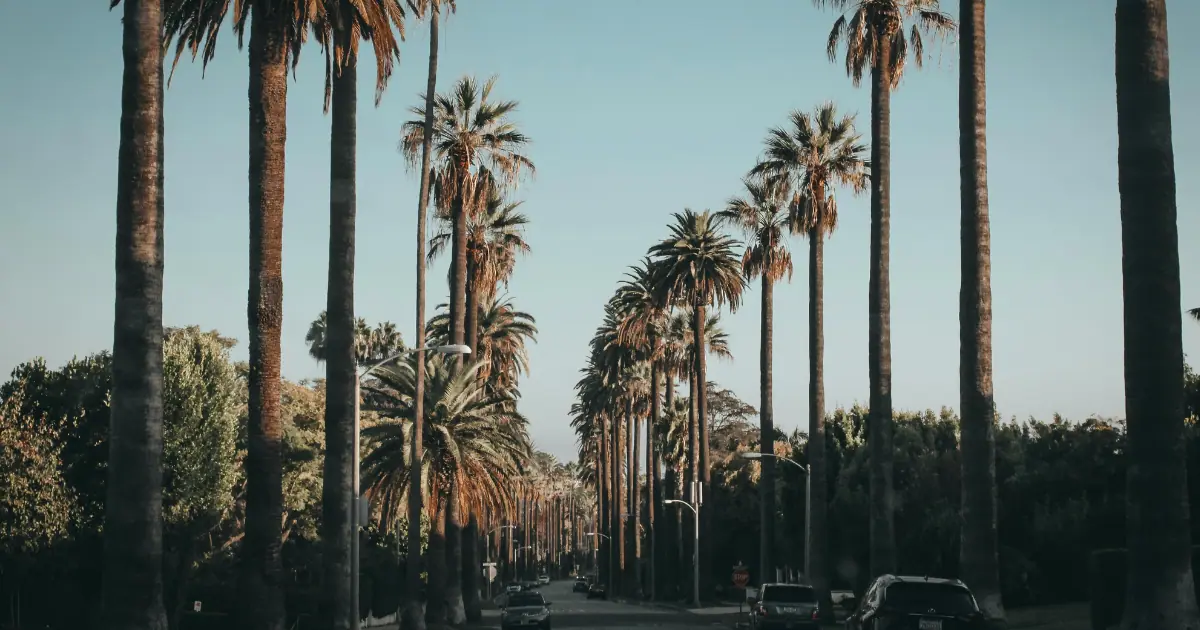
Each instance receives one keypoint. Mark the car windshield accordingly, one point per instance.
(788, 594)
(919, 597)
(517, 600)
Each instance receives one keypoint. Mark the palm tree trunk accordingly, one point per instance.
(979, 553)
(618, 506)
(337, 494)
(435, 601)
(1160, 588)
(879, 437)
(635, 502)
(698, 323)
(602, 516)
(261, 587)
(456, 612)
(458, 269)
(133, 583)
(766, 432)
(818, 560)
(471, 322)
(412, 617)
(653, 487)
(472, 569)
(691, 477)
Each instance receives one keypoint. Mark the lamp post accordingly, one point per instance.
(359, 508)
(596, 548)
(487, 543)
(807, 502)
(695, 549)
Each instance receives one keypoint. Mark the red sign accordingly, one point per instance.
(741, 577)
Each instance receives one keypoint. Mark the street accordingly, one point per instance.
(574, 610)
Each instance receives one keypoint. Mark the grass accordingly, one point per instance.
(1056, 617)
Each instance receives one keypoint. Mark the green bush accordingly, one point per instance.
(1108, 575)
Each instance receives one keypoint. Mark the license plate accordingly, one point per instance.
(787, 610)
(929, 624)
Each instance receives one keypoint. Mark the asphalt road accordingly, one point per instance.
(574, 610)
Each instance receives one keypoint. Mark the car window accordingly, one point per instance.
(919, 597)
(526, 599)
(788, 594)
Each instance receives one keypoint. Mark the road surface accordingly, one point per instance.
(574, 610)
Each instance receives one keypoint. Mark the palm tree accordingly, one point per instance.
(412, 617)
(132, 594)
(476, 445)
(338, 33)
(979, 552)
(764, 218)
(1158, 529)
(504, 334)
(1194, 313)
(697, 265)
(370, 344)
(816, 152)
(876, 41)
(277, 33)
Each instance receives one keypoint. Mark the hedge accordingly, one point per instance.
(1108, 574)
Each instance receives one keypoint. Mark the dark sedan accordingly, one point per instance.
(597, 591)
(525, 610)
(581, 586)
(898, 602)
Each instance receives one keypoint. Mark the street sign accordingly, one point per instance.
(741, 576)
(195, 606)
(490, 571)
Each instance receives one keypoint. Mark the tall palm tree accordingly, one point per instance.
(420, 156)
(338, 33)
(132, 595)
(371, 344)
(764, 219)
(502, 353)
(1194, 313)
(1160, 568)
(877, 42)
(979, 551)
(697, 265)
(816, 152)
(277, 32)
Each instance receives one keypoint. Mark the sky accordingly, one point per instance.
(636, 110)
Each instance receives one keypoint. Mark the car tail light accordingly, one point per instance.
(815, 614)
(762, 610)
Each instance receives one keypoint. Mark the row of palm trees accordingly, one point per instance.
(792, 190)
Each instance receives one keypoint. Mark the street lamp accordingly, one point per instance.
(807, 503)
(487, 543)
(360, 509)
(695, 548)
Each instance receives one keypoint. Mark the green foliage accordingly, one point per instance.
(36, 507)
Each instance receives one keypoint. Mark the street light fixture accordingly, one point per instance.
(360, 509)
(807, 502)
(695, 548)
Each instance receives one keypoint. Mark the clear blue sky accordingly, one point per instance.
(637, 110)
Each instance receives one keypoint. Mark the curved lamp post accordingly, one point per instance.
(360, 509)
(807, 503)
(695, 549)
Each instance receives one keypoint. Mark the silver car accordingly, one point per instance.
(527, 609)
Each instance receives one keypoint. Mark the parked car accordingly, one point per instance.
(543, 579)
(525, 610)
(597, 591)
(581, 586)
(513, 587)
(784, 607)
(917, 603)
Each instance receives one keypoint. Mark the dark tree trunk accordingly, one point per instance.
(132, 596)
(618, 534)
(766, 432)
(262, 568)
(458, 270)
(691, 478)
(706, 573)
(1160, 588)
(817, 551)
(411, 616)
(979, 552)
(635, 501)
(653, 487)
(602, 494)
(455, 611)
(471, 322)
(435, 601)
(340, 365)
(879, 437)
(472, 569)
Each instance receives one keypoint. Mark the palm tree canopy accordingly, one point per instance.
(765, 218)
(1195, 313)
(504, 333)
(816, 152)
(476, 146)
(697, 264)
(338, 25)
(866, 26)
(370, 344)
(495, 237)
(475, 440)
(194, 25)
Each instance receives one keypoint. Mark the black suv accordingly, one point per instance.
(900, 602)
(581, 586)
(784, 607)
